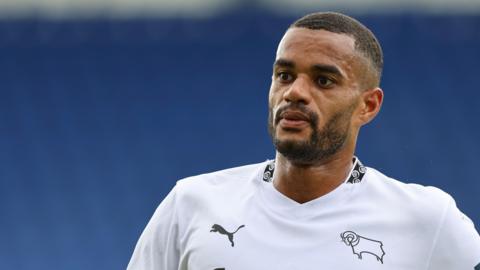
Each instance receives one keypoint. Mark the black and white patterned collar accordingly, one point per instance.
(356, 175)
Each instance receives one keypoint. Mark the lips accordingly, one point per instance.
(293, 120)
(294, 116)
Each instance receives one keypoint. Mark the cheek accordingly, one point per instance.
(273, 104)
(275, 94)
(272, 97)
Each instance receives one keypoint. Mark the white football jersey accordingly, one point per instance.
(236, 220)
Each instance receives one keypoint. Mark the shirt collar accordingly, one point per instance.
(355, 176)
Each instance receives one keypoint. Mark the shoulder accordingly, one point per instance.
(223, 177)
(218, 182)
(429, 215)
(423, 204)
(406, 192)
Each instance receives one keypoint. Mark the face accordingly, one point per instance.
(314, 94)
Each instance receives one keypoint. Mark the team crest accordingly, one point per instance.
(361, 245)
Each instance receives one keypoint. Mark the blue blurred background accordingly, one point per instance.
(102, 110)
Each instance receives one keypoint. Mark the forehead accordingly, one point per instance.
(306, 45)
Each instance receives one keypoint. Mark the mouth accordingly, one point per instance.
(293, 120)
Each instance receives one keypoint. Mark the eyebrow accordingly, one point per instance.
(327, 69)
(321, 68)
(283, 63)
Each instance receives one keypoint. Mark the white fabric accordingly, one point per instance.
(401, 226)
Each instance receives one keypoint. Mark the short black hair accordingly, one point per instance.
(365, 40)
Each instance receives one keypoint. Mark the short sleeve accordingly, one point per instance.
(157, 247)
(457, 244)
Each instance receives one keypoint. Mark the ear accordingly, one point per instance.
(370, 104)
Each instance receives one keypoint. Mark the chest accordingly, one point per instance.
(255, 239)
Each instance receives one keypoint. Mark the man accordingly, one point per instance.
(315, 206)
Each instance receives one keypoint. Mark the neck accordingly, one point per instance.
(303, 183)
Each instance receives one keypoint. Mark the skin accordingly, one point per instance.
(321, 72)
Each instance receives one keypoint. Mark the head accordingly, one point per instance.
(325, 86)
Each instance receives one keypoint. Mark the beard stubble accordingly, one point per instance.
(322, 143)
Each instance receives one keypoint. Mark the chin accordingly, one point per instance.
(301, 135)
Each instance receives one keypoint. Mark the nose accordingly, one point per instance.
(298, 91)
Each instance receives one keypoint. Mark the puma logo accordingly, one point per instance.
(221, 230)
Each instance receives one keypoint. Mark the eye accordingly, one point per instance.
(284, 77)
(325, 82)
